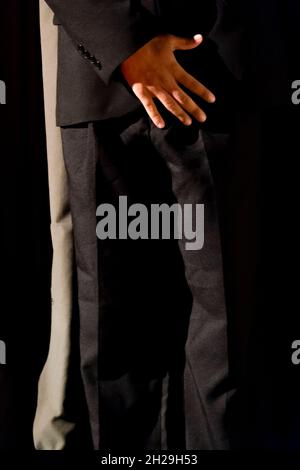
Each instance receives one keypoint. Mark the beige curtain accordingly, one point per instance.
(51, 426)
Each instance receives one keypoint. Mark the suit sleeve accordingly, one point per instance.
(105, 32)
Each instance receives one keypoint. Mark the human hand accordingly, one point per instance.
(153, 72)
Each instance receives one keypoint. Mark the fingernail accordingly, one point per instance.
(198, 37)
(212, 99)
(161, 125)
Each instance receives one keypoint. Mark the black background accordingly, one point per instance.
(260, 232)
(26, 246)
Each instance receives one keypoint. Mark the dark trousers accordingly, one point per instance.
(153, 329)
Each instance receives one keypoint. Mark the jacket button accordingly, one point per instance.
(87, 55)
(98, 64)
(93, 59)
(80, 48)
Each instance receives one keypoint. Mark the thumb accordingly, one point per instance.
(188, 43)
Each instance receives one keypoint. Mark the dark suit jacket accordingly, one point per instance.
(96, 36)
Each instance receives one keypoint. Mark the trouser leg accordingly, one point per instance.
(206, 368)
(132, 295)
(135, 296)
(145, 299)
(80, 157)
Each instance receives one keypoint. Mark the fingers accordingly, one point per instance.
(176, 101)
(188, 104)
(186, 43)
(146, 99)
(146, 96)
(171, 105)
(193, 85)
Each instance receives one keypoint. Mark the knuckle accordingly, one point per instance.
(156, 119)
(179, 96)
(194, 109)
(194, 84)
(186, 102)
(174, 109)
(148, 103)
(166, 100)
(188, 83)
(170, 103)
(153, 111)
(154, 114)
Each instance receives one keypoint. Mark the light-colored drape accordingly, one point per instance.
(51, 425)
